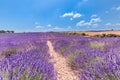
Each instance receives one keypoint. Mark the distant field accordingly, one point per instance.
(92, 33)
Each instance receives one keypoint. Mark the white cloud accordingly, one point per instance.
(39, 27)
(37, 23)
(58, 28)
(72, 15)
(117, 24)
(112, 24)
(67, 14)
(49, 25)
(77, 15)
(83, 23)
(108, 24)
(116, 8)
(93, 22)
(71, 19)
(94, 15)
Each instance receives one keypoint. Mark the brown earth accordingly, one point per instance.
(92, 33)
(63, 70)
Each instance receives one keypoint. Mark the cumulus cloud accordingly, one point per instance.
(108, 24)
(83, 23)
(67, 14)
(76, 15)
(49, 25)
(93, 22)
(112, 24)
(116, 8)
(73, 15)
(39, 27)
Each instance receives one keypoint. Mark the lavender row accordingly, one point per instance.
(93, 58)
(26, 57)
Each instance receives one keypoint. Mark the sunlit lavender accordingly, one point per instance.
(93, 58)
(25, 56)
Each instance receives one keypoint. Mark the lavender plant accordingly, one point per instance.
(94, 58)
(61, 45)
(31, 62)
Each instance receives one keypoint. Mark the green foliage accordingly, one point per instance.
(77, 34)
(24, 75)
(72, 56)
(8, 31)
(96, 45)
(106, 35)
(63, 49)
(83, 34)
(37, 76)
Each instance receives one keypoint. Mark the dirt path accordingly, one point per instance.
(63, 70)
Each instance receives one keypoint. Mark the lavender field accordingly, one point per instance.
(26, 56)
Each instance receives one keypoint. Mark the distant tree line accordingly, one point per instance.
(7, 31)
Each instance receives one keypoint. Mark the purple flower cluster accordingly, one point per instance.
(31, 61)
(61, 45)
(94, 58)
(24, 66)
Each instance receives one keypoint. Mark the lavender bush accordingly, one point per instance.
(61, 45)
(27, 57)
(94, 58)
(32, 65)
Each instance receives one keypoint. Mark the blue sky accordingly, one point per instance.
(59, 15)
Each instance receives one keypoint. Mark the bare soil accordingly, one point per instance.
(63, 70)
(92, 33)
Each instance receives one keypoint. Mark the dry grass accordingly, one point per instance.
(92, 33)
(63, 70)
